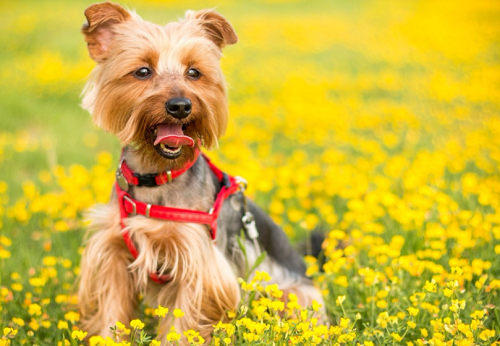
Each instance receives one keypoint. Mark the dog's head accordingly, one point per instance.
(158, 88)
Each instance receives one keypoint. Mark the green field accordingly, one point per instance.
(374, 122)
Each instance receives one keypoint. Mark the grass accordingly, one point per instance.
(374, 122)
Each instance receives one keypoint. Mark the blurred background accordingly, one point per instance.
(377, 118)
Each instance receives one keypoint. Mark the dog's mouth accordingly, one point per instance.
(168, 139)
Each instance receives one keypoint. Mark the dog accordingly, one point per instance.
(170, 230)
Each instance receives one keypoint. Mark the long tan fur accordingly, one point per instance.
(112, 280)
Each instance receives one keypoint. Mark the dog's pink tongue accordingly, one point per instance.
(172, 136)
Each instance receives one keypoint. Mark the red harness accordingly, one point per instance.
(131, 207)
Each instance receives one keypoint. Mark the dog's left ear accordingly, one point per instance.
(98, 29)
(216, 27)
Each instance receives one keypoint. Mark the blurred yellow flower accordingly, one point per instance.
(78, 335)
(178, 313)
(161, 311)
(137, 324)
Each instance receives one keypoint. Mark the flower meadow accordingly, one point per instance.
(375, 123)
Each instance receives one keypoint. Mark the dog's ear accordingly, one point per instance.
(98, 28)
(216, 27)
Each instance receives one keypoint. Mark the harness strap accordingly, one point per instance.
(131, 207)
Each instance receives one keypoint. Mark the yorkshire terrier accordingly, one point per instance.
(170, 231)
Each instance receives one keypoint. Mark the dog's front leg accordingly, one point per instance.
(106, 294)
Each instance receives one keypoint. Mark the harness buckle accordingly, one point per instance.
(134, 206)
(146, 180)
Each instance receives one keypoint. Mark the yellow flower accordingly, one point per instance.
(277, 305)
(316, 306)
(261, 276)
(9, 332)
(72, 316)
(274, 291)
(16, 286)
(62, 325)
(293, 302)
(34, 325)
(37, 282)
(34, 310)
(193, 337)
(4, 254)
(5, 241)
(123, 328)
(340, 300)
(178, 313)
(173, 336)
(49, 261)
(397, 337)
(430, 286)
(413, 311)
(4, 291)
(78, 334)
(155, 343)
(486, 334)
(97, 341)
(478, 314)
(447, 292)
(161, 311)
(18, 321)
(250, 337)
(344, 322)
(136, 324)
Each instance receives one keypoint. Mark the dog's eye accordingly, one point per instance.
(143, 73)
(193, 74)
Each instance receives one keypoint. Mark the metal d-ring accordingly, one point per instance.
(242, 182)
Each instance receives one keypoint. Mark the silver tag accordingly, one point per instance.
(122, 182)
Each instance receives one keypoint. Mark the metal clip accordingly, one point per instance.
(248, 221)
(134, 207)
(242, 182)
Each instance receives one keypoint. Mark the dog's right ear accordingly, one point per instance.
(98, 28)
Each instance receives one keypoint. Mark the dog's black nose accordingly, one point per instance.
(178, 107)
